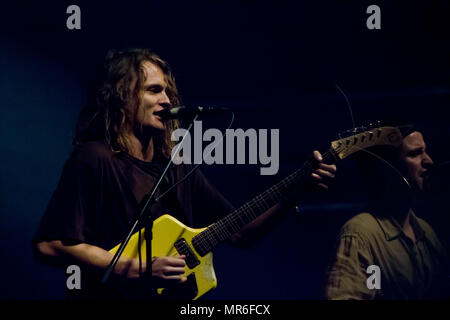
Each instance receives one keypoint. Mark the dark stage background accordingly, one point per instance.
(274, 63)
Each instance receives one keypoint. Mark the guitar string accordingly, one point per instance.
(246, 209)
(220, 227)
(256, 202)
(348, 104)
(259, 202)
(403, 178)
(231, 219)
(387, 162)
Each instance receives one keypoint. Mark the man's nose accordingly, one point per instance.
(164, 100)
(427, 161)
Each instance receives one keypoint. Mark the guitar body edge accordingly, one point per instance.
(166, 231)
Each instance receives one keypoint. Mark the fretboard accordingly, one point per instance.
(223, 229)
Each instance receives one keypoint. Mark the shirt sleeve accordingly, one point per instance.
(66, 217)
(347, 277)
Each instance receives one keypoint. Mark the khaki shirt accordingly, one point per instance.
(408, 270)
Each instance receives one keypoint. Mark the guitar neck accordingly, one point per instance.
(223, 229)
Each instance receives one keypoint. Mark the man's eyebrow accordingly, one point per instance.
(155, 84)
(416, 149)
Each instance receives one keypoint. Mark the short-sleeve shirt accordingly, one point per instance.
(407, 270)
(101, 192)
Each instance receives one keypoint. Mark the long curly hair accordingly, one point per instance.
(113, 103)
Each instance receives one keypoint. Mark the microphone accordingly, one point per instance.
(183, 112)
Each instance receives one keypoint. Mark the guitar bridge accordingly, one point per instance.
(183, 248)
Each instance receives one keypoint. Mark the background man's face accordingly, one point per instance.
(416, 159)
(153, 97)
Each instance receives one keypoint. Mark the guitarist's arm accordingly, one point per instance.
(258, 227)
(164, 268)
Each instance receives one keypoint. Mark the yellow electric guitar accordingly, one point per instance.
(171, 237)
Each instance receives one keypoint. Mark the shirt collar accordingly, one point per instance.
(392, 229)
(418, 230)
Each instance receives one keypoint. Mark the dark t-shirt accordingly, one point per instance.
(100, 194)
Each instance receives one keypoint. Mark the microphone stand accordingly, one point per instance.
(145, 218)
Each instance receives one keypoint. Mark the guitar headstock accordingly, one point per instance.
(365, 137)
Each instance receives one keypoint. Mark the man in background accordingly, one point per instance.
(404, 249)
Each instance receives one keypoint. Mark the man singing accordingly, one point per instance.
(121, 147)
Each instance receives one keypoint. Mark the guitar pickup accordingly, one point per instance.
(183, 248)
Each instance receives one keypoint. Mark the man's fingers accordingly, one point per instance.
(328, 167)
(324, 186)
(174, 261)
(324, 173)
(317, 155)
(323, 169)
(175, 278)
(316, 176)
(169, 271)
